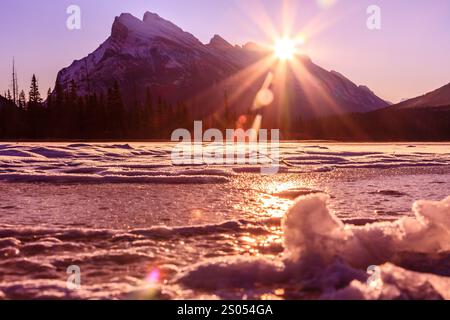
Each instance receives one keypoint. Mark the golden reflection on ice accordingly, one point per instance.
(260, 245)
(277, 187)
(268, 206)
(274, 206)
(197, 215)
(248, 239)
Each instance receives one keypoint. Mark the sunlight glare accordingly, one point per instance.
(326, 4)
(285, 49)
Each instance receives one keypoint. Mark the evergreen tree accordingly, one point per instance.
(81, 118)
(49, 98)
(149, 105)
(116, 111)
(181, 117)
(159, 107)
(101, 116)
(34, 112)
(59, 94)
(227, 115)
(22, 100)
(8, 95)
(73, 95)
(34, 95)
(71, 112)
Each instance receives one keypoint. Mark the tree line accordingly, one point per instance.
(67, 115)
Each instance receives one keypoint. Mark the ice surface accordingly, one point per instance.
(90, 163)
(121, 163)
(122, 210)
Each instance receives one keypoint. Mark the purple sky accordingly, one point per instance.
(407, 57)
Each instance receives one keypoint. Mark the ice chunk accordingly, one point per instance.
(398, 283)
(311, 229)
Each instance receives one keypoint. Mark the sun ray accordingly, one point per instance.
(314, 90)
(281, 91)
(251, 74)
(285, 61)
(288, 16)
(321, 22)
(317, 93)
(240, 82)
(258, 15)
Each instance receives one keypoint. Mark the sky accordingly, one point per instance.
(407, 57)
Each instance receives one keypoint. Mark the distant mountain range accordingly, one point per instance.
(425, 118)
(437, 98)
(155, 55)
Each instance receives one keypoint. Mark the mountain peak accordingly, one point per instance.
(219, 43)
(150, 16)
(155, 21)
(252, 46)
(152, 26)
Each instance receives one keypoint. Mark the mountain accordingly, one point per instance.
(154, 55)
(425, 118)
(437, 98)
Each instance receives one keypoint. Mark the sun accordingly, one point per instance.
(285, 48)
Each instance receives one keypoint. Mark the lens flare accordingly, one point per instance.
(150, 288)
(153, 277)
(265, 95)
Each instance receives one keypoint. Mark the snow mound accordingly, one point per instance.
(311, 229)
(398, 284)
(234, 272)
(326, 255)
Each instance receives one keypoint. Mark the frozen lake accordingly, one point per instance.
(139, 227)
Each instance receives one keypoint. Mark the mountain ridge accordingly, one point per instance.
(154, 54)
(437, 98)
